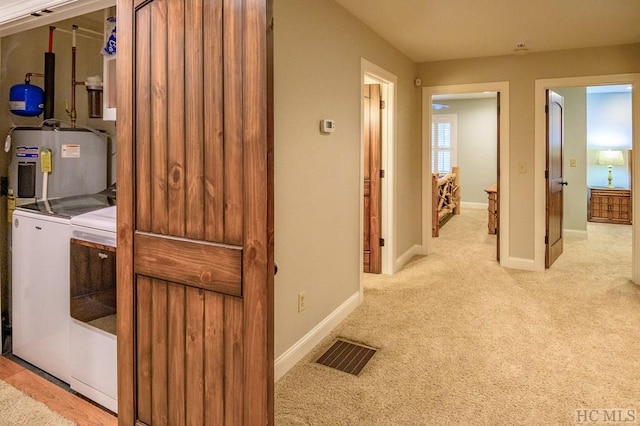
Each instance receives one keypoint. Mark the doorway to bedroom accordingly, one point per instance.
(464, 161)
(597, 170)
(491, 156)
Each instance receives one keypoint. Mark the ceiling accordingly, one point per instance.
(434, 30)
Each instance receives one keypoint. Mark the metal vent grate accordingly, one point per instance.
(347, 357)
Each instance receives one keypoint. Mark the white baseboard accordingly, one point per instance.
(94, 394)
(575, 234)
(475, 206)
(519, 263)
(302, 347)
(407, 256)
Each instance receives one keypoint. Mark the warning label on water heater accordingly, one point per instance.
(71, 151)
(27, 151)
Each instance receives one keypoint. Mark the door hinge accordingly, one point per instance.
(546, 239)
(381, 173)
(546, 109)
(381, 242)
(546, 174)
(382, 104)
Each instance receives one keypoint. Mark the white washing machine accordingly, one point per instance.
(40, 235)
(93, 342)
(40, 291)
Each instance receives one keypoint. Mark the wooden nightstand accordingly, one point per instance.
(609, 205)
(492, 194)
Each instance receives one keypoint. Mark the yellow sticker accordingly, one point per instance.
(45, 160)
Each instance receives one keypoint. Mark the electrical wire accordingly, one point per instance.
(91, 129)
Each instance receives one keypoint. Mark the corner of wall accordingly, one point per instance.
(304, 346)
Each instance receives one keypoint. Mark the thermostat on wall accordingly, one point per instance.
(327, 126)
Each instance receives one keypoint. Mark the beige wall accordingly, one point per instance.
(521, 72)
(318, 50)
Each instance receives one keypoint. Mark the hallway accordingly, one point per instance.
(464, 341)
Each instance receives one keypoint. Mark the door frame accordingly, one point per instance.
(502, 87)
(541, 85)
(388, 90)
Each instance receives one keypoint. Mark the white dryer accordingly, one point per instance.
(93, 342)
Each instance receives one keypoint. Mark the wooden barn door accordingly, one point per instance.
(195, 213)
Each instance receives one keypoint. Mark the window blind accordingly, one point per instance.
(443, 148)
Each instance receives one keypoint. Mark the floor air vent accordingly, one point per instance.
(347, 357)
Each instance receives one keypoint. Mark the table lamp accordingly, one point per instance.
(610, 158)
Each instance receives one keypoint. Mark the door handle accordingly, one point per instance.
(564, 183)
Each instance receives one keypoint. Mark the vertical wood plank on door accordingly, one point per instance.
(194, 116)
(176, 345)
(258, 368)
(144, 333)
(214, 125)
(127, 366)
(375, 259)
(143, 119)
(271, 266)
(214, 358)
(233, 131)
(159, 356)
(233, 362)
(159, 217)
(194, 389)
(175, 112)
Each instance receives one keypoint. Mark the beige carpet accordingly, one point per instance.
(18, 409)
(465, 342)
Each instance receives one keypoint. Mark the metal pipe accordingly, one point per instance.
(73, 114)
(27, 77)
(49, 78)
(51, 28)
(97, 36)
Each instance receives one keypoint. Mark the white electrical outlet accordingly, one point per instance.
(302, 301)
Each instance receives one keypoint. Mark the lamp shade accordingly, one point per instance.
(610, 158)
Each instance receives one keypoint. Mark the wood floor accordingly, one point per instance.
(59, 400)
